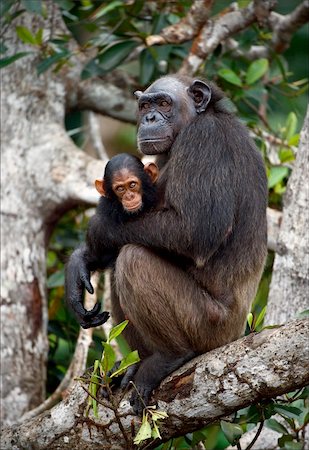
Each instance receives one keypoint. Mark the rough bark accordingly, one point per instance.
(42, 174)
(289, 288)
(211, 386)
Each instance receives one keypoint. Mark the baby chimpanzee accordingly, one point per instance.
(128, 188)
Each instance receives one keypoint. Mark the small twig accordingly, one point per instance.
(256, 436)
(137, 391)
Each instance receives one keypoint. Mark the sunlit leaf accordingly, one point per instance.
(290, 125)
(129, 360)
(144, 432)
(25, 35)
(286, 154)
(256, 70)
(118, 329)
(230, 76)
(243, 3)
(102, 10)
(260, 317)
(294, 140)
(277, 174)
(109, 357)
(39, 36)
(250, 319)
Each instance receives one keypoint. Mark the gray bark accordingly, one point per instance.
(289, 288)
(42, 175)
(211, 386)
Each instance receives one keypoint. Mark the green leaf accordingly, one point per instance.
(39, 36)
(286, 154)
(230, 76)
(48, 62)
(10, 59)
(287, 411)
(294, 140)
(293, 445)
(155, 434)
(115, 54)
(256, 70)
(303, 314)
(144, 432)
(56, 279)
(25, 35)
(147, 67)
(277, 174)
(276, 426)
(250, 320)
(260, 317)
(102, 10)
(65, 4)
(115, 331)
(129, 360)
(34, 6)
(243, 3)
(290, 126)
(109, 357)
(5, 5)
(232, 431)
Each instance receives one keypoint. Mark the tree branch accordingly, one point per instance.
(209, 33)
(214, 385)
(187, 28)
(102, 97)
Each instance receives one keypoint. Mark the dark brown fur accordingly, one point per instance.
(188, 272)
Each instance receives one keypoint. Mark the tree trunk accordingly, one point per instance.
(40, 170)
(289, 288)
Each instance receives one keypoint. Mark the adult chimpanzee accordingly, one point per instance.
(212, 217)
(127, 189)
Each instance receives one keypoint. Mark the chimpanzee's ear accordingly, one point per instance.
(200, 92)
(99, 185)
(152, 170)
(137, 94)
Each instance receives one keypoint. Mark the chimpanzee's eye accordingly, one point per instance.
(144, 106)
(119, 189)
(132, 184)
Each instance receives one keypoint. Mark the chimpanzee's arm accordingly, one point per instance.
(77, 277)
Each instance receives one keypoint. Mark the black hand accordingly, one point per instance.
(95, 321)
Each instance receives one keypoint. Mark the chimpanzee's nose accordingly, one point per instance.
(150, 117)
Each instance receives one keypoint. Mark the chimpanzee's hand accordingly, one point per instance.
(77, 278)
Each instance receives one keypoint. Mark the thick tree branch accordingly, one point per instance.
(217, 30)
(102, 97)
(209, 33)
(187, 28)
(214, 385)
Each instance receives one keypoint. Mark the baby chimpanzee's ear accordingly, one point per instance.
(152, 170)
(99, 185)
